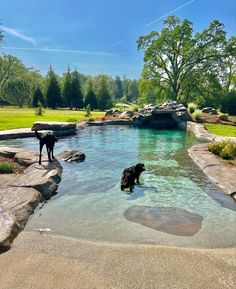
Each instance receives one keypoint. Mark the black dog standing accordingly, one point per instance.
(130, 175)
(49, 140)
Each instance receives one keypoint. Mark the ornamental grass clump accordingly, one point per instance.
(224, 116)
(197, 114)
(6, 168)
(192, 107)
(224, 149)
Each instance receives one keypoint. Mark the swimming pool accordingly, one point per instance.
(176, 205)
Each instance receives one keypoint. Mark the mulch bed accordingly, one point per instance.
(17, 168)
(211, 118)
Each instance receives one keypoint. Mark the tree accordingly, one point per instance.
(171, 55)
(118, 88)
(38, 97)
(133, 90)
(1, 35)
(16, 92)
(89, 95)
(76, 91)
(10, 67)
(66, 89)
(104, 97)
(53, 93)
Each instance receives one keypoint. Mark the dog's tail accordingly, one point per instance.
(37, 135)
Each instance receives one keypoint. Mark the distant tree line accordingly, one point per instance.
(189, 67)
(25, 86)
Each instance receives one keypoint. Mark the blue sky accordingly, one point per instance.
(97, 36)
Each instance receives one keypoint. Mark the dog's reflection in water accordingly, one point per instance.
(130, 175)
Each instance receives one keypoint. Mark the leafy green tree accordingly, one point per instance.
(172, 54)
(16, 92)
(76, 91)
(53, 93)
(228, 103)
(89, 95)
(10, 67)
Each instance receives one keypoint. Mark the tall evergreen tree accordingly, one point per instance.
(104, 97)
(90, 97)
(66, 89)
(38, 96)
(76, 92)
(118, 87)
(53, 93)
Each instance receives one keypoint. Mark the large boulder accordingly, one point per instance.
(127, 113)
(210, 110)
(72, 155)
(59, 128)
(20, 194)
(112, 112)
(43, 178)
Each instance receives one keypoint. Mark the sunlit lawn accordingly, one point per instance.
(11, 118)
(220, 129)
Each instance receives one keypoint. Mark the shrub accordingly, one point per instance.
(197, 114)
(224, 149)
(88, 110)
(192, 107)
(6, 168)
(224, 116)
(39, 110)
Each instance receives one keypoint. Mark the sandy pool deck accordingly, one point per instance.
(49, 261)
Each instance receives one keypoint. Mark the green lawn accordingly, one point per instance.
(220, 129)
(11, 118)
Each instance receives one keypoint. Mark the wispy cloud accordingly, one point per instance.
(170, 12)
(17, 34)
(118, 42)
(83, 52)
(158, 19)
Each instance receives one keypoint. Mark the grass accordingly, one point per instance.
(11, 118)
(221, 129)
(6, 169)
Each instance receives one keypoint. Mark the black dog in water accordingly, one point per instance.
(49, 140)
(130, 175)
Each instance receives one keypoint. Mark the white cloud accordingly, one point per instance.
(170, 12)
(17, 34)
(84, 52)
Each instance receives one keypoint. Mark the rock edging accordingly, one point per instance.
(201, 133)
(219, 173)
(20, 195)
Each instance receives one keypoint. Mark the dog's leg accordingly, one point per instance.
(52, 153)
(40, 152)
(48, 151)
(131, 188)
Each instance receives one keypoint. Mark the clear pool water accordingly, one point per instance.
(91, 206)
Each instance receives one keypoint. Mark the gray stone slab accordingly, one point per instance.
(16, 133)
(6, 178)
(53, 126)
(219, 173)
(20, 194)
